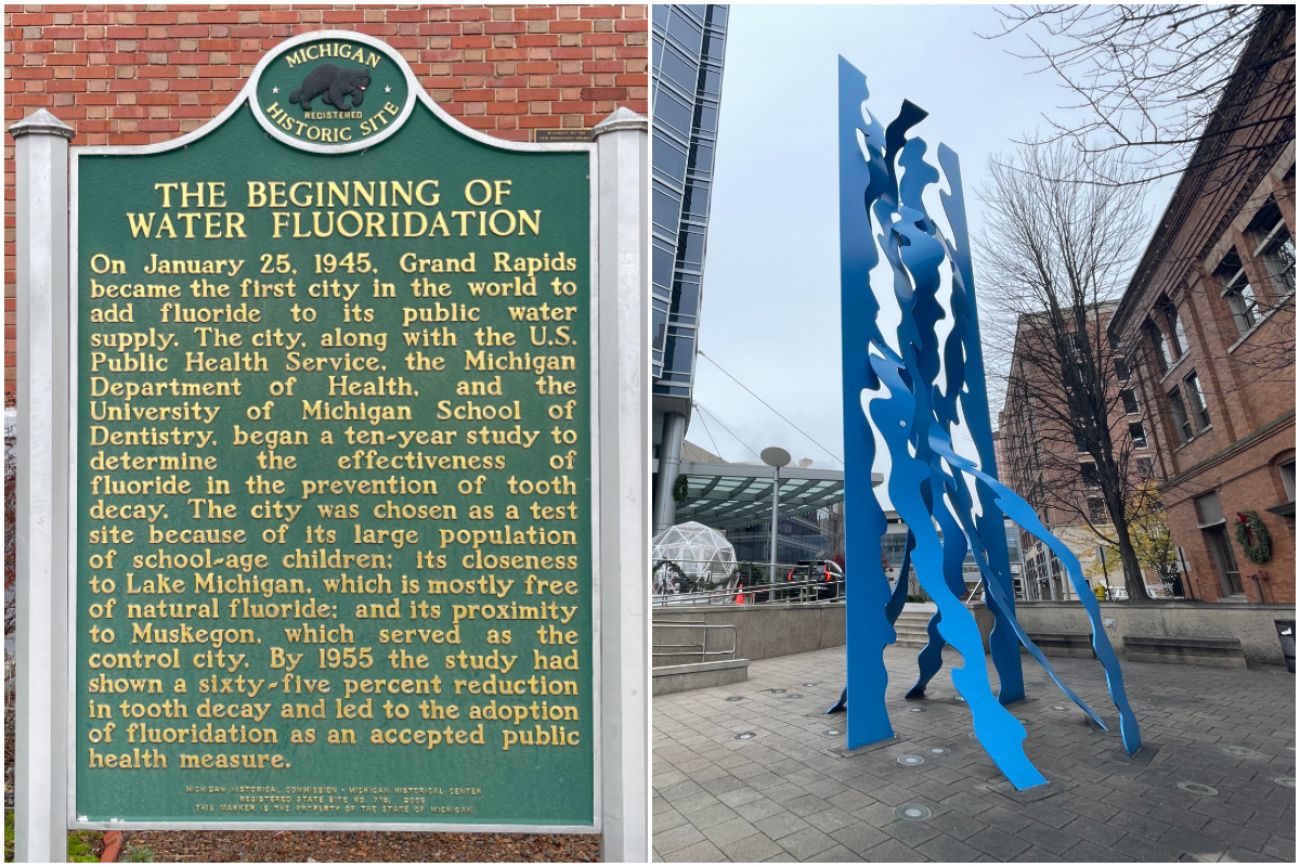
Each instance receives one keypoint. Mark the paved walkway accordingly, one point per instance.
(754, 771)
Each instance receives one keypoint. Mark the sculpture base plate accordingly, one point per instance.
(1028, 796)
(845, 753)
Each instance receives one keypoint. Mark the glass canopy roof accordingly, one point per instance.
(726, 496)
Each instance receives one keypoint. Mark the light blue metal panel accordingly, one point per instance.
(997, 729)
(1023, 514)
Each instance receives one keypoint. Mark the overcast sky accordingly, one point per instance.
(770, 311)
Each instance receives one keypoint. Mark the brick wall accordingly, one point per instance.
(129, 75)
(1236, 452)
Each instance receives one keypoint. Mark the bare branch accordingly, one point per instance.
(1147, 79)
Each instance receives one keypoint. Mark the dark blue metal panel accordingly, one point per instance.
(868, 630)
(883, 220)
(967, 363)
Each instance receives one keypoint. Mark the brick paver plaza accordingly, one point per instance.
(787, 791)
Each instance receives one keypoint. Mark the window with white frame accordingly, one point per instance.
(1200, 413)
(1286, 469)
(1274, 247)
(1238, 292)
(1177, 336)
(1182, 424)
(1160, 345)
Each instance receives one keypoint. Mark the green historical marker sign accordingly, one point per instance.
(333, 552)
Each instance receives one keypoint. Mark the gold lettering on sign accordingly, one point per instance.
(334, 485)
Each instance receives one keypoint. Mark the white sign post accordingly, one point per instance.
(40, 760)
(623, 420)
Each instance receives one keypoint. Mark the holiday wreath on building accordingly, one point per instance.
(1253, 537)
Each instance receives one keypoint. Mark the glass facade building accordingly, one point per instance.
(687, 47)
(688, 43)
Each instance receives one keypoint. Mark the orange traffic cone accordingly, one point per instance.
(740, 593)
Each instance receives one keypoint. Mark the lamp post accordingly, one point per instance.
(775, 457)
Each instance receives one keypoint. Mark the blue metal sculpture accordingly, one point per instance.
(917, 397)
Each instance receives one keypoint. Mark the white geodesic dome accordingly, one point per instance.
(701, 553)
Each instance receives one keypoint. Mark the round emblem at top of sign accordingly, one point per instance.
(331, 92)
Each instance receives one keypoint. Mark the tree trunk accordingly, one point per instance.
(1133, 580)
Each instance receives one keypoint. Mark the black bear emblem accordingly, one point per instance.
(336, 82)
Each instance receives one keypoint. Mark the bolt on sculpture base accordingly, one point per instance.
(917, 391)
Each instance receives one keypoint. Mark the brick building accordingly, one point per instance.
(1040, 457)
(130, 75)
(1208, 325)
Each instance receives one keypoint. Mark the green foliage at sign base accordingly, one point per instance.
(83, 846)
(137, 854)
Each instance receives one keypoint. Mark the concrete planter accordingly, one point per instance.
(1252, 625)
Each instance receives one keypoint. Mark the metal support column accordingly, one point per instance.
(670, 462)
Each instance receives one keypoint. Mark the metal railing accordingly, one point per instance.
(677, 575)
(804, 591)
(678, 653)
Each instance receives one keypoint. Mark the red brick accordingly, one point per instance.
(602, 39)
(596, 93)
(571, 53)
(577, 26)
(95, 72)
(602, 11)
(536, 121)
(219, 17)
(31, 19)
(459, 42)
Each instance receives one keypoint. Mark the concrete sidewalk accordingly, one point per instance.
(755, 771)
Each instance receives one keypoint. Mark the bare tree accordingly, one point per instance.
(1055, 256)
(1150, 83)
(1149, 531)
